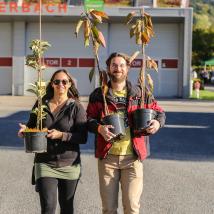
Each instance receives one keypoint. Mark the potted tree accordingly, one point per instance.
(142, 29)
(35, 138)
(89, 20)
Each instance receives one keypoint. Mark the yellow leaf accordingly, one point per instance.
(139, 24)
(150, 82)
(141, 77)
(145, 38)
(133, 56)
(104, 78)
(150, 31)
(132, 31)
(96, 47)
(87, 28)
(87, 31)
(147, 15)
(79, 24)
(101, 39)
(86, 41)
(154, 65)
(100, 13)
(151, 64)
(105, 89)
(138, 39)
(96, 17)
(150, 22)
(130, 16)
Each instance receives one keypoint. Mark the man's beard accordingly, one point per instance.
(117, 79)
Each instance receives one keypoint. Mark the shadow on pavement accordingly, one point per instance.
(9, 128)
(187, 136)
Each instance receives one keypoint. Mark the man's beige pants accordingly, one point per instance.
(128, 171)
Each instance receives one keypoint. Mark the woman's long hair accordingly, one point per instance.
(72, 91)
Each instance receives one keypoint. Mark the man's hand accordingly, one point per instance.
(105, 132)
(54, 134)
(22, 128)
(154, 126)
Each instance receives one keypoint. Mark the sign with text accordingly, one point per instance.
(137, 63)
(169, 63)
(52, 62)
(27, 7)
(69, 62)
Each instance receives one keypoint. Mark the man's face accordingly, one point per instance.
(118, 70)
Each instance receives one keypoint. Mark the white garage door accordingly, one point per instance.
(5, 59)
(164, 48)
(67, 52)
(70, 53)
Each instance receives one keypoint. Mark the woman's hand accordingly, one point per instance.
(22, 128)
(105, 132)
(54, 134)
(154, 125)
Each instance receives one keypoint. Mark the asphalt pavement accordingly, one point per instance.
(178, 176)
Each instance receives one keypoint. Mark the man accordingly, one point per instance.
(121, 161)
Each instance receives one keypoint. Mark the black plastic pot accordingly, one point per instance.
(142, 117)
(118, 123)
(35, 142)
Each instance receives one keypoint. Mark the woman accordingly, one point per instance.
(59, 167)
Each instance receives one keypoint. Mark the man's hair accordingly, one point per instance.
(116, 54)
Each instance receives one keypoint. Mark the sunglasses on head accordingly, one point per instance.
(57, 82)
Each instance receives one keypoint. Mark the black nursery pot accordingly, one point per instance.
(118, 123)
(35, 142)
(142, 117)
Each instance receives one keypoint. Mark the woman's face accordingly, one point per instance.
(61, 83)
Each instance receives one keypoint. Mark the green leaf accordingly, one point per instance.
(33, 85)
(32, 91)
(95, 32)
(86, 41)
(44, 107)
(35, 111)
(91, 74)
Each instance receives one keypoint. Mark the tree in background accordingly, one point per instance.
(203, 31)
(203, 46)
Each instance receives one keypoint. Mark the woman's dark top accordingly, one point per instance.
(71, 120)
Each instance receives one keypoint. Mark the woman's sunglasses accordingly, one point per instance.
(57, 82)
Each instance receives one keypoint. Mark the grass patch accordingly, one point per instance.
(204, 95)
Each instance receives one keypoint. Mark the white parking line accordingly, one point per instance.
(187, 126)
